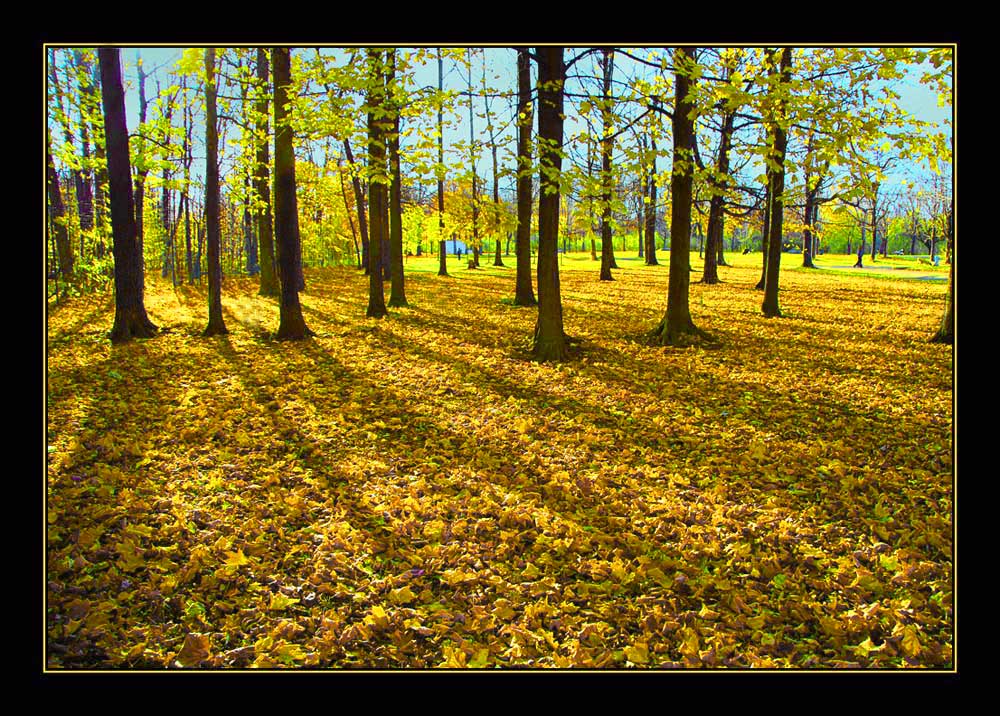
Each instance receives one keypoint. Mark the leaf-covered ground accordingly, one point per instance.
(414, 492)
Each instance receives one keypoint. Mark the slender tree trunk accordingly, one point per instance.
(347, 209)
(84, 178)
(808, 244)
(397, 293)
(676, 327)
(861, 248)
(269, 284)
(377, 177)
(131, 320)
(765, 230)
(875, 226)
(57, 217)
(359, 203)
(216, 324)
(524, 294)
(651, 208)
(717, 204)
(442, 246)
(779, 145)
(549, 342)
(607, 179)
(140, 175)
(292, 325)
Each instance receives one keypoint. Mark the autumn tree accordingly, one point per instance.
(676, 328)
(394, 98)
(607, 178)
(440, 169)
(131, 320)
(216, 324)
(549, 342)
(292, 325)
(57, 219)
(377, 181)
(777, 130)
(269, 285)
(524, 295)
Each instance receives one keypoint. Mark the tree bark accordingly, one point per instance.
(442, 246)
(549, 341)
(269, 284)
(717, 204)
(397, 292)
(676, 328)
(131, 320)
(359, 202)
(524, 294)
(607, 147)
(216, 324)
(377, 178)
(770, 306)
(57, 217)
(650, 238)
(292, 325)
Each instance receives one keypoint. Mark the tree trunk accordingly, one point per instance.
(810, 211)
(397, 293)
(216, 324)
(131, 320)
(779, 145)
(359, 203)
(717, 204)
(57, 217)
(607, 147)
(140, 175)
(524, 294)
(676, 327)
(84, 178)
(442, 248)
(269, 284)
(292, 325)
(650, 237)
(377, 177)
(765, 230)
(946, 331)
(549, 340)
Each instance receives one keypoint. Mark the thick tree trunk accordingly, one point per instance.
(292, 325)
(549, 340)
(131, 320)
(676, 327)
(524, 294)
(269, 284)
(216, 324)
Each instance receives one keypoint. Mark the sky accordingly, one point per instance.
(917, 99)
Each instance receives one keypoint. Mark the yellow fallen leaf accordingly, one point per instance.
(196, 649)
(638, 653)
(236, 559)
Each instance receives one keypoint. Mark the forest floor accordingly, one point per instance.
(413, 492)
